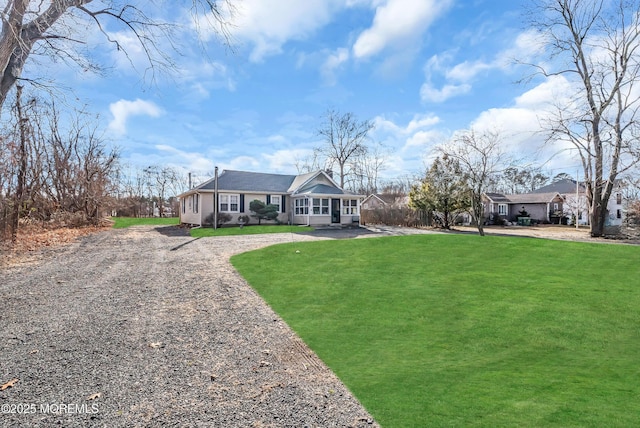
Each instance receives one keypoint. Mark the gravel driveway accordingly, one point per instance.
(148, 327)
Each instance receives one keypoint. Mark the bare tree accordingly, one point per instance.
(345, 139)
(522, 179)
(79, 167)
(53, 27)
(22, 165)
(163, 180)
(596, 45)
(308, 163)
(366, 169)
(479, 158)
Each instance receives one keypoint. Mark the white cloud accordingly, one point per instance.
(284, 161)
(202, 77)
(190, 161)
(466, 71)
(553, 90)
(123, 109)
(527, 45)
(432, 94)
(521, 124)
(417, 123)
(130, 55)
(423, 139)
(268, 25)
(458, 78)
(333, 62)
(397, 21)
(244, 163)
(408, 142)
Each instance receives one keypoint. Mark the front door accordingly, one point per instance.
(335, 210)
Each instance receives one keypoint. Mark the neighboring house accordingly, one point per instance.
(384, 200)
(543, 207)
(576, 200)
(313, 199)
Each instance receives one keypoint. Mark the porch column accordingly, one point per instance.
(548, 210)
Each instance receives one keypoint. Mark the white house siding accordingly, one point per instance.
(615, 207)
(188, 212)
(295, 191)
(283, 217)
(571, 205)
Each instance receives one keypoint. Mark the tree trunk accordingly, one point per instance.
(22, 169)
(598, 216)
(478, 213)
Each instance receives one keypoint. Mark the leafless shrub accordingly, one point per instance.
(402, 216)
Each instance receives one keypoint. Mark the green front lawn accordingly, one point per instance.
(122, 222)
(455, 330)
(247, 230)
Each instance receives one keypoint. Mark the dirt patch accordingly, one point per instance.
(565, 233)
(33, 240)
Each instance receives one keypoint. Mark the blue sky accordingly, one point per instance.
(420, 70)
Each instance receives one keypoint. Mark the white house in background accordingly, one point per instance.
(576, 200)
(313, 199)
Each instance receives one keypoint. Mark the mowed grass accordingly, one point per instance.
(247, 230)
(122, 222)
(453, 330)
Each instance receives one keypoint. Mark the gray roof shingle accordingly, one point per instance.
(561, 186)
(246, 181)
(533, 198)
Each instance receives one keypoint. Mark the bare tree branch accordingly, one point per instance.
(28, 28)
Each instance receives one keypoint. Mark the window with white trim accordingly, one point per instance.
(320, 206)
(196, 200)
(302, 206)
(619, 199)
(275, 200)
(502, 209)
(349, 206)
(229, 203)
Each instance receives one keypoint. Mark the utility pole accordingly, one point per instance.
(577, 198)
(215, 199)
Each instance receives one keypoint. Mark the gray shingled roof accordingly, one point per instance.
(497, 197)
(523, 198)
(532, 198)
(245, 181)
(561, 186)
